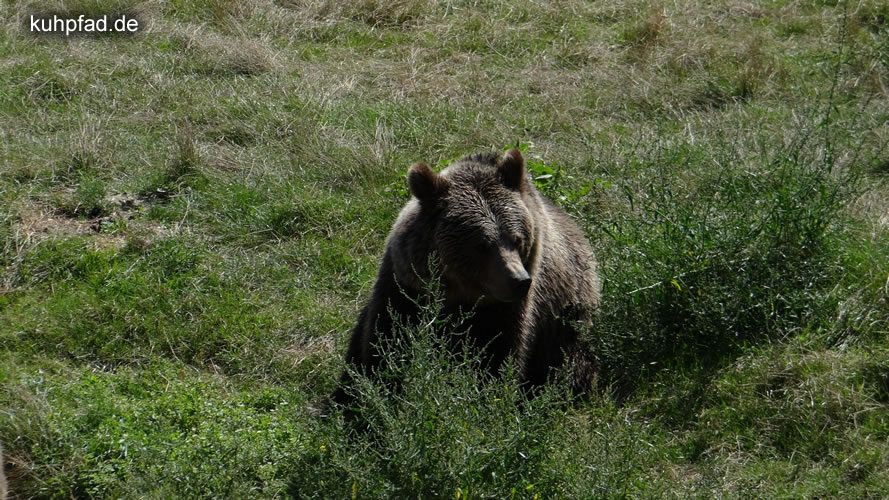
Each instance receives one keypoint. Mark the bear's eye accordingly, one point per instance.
(517, 240)
(482, 246)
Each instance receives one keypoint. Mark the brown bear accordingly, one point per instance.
(504, 252)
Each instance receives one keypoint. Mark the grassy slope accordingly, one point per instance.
(191, 217)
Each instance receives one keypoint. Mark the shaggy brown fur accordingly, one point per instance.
(511, 256)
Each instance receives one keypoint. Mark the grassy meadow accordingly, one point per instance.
(192, 216)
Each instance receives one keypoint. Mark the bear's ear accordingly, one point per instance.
(424, 183)
(512, 168)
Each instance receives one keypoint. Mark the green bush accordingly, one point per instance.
(432, 422)
(695, 269)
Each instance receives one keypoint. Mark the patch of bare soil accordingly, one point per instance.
(39, 222)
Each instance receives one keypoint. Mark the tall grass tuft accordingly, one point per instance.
(709, 254)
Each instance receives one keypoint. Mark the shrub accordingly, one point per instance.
(701, 261)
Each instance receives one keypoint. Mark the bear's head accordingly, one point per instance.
(483, 232)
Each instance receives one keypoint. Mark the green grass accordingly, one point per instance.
(192, 217)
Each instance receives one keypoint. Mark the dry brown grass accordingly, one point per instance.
(227, 54)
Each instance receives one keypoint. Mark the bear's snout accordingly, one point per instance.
(507, 280)
(520, 283)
